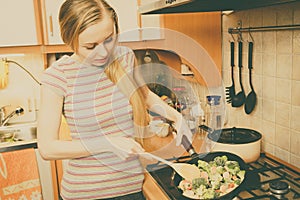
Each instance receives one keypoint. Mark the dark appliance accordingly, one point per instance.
(268, 179)
(188, 6)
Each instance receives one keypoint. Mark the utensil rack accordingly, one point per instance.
(239, 30)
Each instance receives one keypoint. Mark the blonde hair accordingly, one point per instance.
(75, 16)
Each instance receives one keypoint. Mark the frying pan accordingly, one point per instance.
(210, 157)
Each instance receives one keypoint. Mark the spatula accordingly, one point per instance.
(186, 171)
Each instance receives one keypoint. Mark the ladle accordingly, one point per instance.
(239, 99)
(251, 98)
(186, 171)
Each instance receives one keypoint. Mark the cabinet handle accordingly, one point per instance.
(51, 25)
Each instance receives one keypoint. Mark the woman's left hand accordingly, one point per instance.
(182, 129)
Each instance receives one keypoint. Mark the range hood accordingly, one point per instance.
(188, 6)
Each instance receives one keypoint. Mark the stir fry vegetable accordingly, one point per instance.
(217, 178)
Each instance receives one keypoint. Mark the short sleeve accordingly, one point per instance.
(126, 57)
(54, 78)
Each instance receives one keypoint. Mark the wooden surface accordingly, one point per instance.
(196, 38)
(205, 29)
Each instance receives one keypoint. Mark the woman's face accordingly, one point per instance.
(97, 42)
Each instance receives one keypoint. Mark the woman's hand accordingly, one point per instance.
(182, 129)
(124, 147)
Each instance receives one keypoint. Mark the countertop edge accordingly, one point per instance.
(151, 189)
(19, 146)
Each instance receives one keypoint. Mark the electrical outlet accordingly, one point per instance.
(29, 103)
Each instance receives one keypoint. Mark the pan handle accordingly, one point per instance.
(206, 128)
(188, 146)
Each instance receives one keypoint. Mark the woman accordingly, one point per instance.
(103, 106)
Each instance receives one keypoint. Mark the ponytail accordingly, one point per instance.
(135, 94)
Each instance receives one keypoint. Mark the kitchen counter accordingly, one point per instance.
(18, 145)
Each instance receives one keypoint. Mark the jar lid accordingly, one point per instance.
(213, 98)
(234, 136)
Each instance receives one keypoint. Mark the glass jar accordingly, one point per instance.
(213, 112)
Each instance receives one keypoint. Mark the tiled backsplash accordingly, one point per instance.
(276, 78)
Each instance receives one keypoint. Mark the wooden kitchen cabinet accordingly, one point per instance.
(132, 24)
(204, 28)
(150, 24)
(50, 11)
(19, 23)
(36, 27)
(129, 21)
(186, 34)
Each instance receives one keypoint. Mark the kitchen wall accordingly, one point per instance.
(276, 78)
(22, 90)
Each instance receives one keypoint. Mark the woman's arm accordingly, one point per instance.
(51, 147)
(49, 121)
(157, 105)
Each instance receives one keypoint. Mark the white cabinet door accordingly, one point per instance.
(17, 23)
(52, 24)
(151, 27)
(128, 19)
(151, 24)
(127, 11)
(130, 30)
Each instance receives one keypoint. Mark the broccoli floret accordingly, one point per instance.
(200, 191)
(197, 182)
(215, 185)
(234, 170)
(216, 177)
(209, 194)
(237, 181)
(220, 160)
(241, 174)
(232, 164)
(203, 165)
(220, 169)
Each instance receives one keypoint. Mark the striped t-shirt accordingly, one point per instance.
(95, 107)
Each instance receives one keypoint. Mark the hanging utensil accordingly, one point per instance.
(230, 91)
(239, 99)
(251, 98)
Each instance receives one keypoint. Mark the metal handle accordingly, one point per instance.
(232, 54)
(187, 145)
(250, 55)
(240, 54)
(51, 25)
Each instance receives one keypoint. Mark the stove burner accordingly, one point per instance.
(279, 187)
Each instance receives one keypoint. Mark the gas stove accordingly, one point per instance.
(267, 179)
